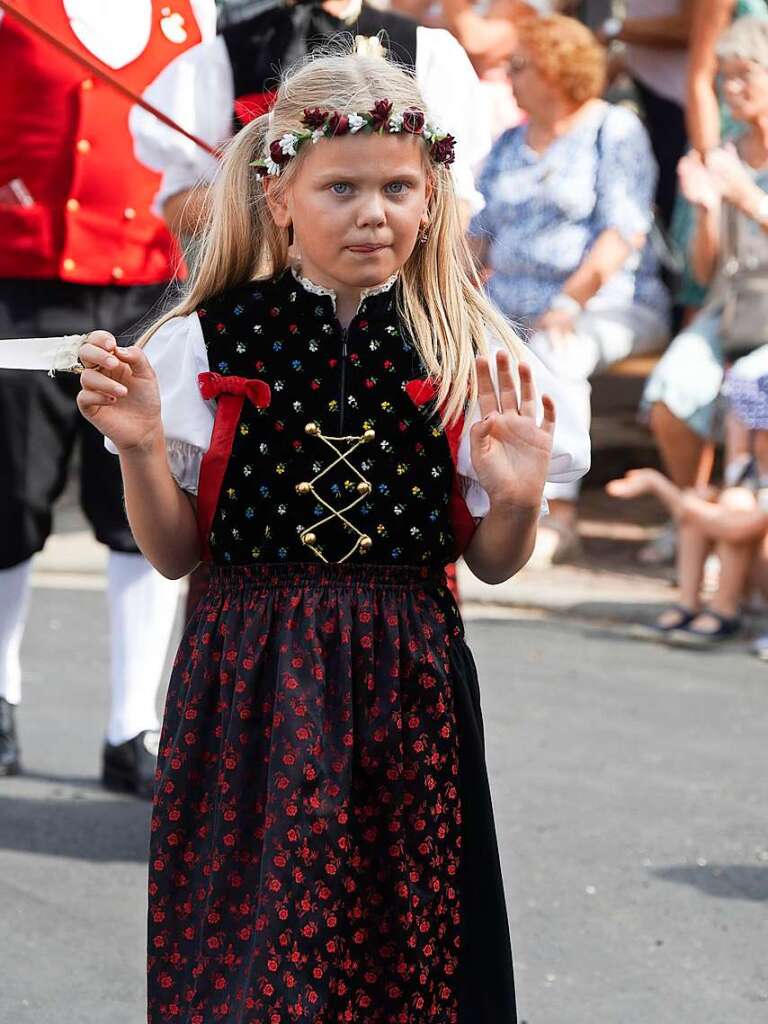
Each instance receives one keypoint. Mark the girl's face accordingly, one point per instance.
(356, 204)
(745, 87)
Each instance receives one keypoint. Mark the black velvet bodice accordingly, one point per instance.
(339, 463)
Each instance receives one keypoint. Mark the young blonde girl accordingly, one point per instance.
(323, 846)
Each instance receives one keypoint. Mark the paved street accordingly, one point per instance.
(630, 787)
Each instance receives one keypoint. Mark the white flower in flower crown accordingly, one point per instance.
(288, 143)
(317, 134)
(356, 122)
(273, 169)
(396, 123)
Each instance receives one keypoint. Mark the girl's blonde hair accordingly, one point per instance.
(440, 293)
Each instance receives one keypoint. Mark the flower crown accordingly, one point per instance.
(326, 124)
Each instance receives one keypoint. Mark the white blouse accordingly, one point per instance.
(178, 354)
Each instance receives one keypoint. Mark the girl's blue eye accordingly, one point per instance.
(340, 188)
(397, 188)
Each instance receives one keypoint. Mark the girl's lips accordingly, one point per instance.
(365, 248)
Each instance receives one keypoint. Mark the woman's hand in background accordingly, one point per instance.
(119, 393)
(697, 183)
(510, 450)
(730, 176)
(559, 324)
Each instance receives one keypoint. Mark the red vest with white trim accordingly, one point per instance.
(65, 135)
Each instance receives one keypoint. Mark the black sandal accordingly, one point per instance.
(729, 626)
(656, 631)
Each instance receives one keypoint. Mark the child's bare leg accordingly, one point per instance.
(648, 481)
(693, 547)
(680, 447)
(760, 449)
(735, 564)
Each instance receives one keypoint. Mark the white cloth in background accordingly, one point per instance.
(664, 71)
(197, 91)
(603, 335)
(14, 603)
(142, 612)
(177, 353)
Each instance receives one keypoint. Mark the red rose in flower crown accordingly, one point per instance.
(413, 121)
(380, 114)
(314, 117)
(277, 153)
(338, 124)
(442, 150)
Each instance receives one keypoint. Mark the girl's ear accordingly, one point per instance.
(277, 201)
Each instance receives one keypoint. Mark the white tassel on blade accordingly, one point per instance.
(56, 355)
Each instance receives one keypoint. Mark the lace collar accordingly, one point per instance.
(318, 289)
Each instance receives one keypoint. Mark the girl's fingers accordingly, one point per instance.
(102, 341)
(134, 357)
(486, 393)
(89, 402)
(507, 389)
(550, 414)
(91, 355)
(527, 391)
(94, 380)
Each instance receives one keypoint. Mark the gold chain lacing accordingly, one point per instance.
(309, 535)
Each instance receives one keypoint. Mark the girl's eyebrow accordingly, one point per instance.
(344, 174)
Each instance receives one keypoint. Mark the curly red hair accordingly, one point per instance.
(566, 53)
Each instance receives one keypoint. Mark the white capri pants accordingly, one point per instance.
(602, 336)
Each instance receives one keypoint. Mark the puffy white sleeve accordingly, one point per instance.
(197, 91)
(177, 353)
(454, 96)
(571, 448)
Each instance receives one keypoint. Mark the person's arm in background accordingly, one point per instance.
(197, 91)
(669, 32)
(488, 40)
(710, 19)
(453, 94)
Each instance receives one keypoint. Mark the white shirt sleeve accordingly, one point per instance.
(571, 448)
(454, 97)
(177, 353)
(197, 91)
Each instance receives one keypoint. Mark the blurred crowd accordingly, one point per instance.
(612, 161)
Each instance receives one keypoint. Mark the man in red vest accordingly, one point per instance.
(80, 249)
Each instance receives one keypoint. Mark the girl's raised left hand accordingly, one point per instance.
(510, 450)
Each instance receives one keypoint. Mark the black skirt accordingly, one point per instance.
(323, 846)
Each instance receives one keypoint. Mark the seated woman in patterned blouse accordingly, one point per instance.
(564, 231)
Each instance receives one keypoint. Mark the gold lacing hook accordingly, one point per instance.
(307, 487)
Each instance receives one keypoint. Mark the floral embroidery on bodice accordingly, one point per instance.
(332, 457)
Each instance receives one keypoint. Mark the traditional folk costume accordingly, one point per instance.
(80, 247)
(323, 845)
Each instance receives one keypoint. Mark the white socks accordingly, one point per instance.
(142, 611)
(14, 602)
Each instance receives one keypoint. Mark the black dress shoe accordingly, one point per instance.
(130, 767)
(9, 744)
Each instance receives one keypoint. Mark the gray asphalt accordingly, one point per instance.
(630, 791)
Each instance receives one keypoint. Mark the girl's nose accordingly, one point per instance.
(371, 210)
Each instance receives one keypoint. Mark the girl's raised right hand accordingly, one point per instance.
(119, 393)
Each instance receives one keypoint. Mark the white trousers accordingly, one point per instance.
(601, 337)
(142, 612)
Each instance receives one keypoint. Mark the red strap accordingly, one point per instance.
(231, 393)
(421, 391)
